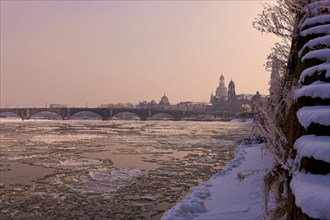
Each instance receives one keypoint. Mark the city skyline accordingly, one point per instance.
(110, 52)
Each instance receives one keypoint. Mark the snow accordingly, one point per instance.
(320, 29)
(322, 19)
(314, 146)
(233, 193)
(317, 89)
(322, 54)
(316, 4)
(312, 194)
(316, 7)
(315, 69)
(317, 114)
(316, 42)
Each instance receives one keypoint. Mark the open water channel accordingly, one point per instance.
(92, 169)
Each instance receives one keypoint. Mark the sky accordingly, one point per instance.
(82, 53)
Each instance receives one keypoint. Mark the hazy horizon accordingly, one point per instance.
(100, 52)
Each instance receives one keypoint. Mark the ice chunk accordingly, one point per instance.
(317, 114)
(312, 194)
(121, 175)
(79, 162)
(313, 146)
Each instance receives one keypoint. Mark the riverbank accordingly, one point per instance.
(236, 192)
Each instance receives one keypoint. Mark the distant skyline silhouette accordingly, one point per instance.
(99, 52)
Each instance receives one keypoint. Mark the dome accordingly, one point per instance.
(164, 99)
(222, 78)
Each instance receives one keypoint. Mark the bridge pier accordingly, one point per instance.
(106, 114)
(143, 118)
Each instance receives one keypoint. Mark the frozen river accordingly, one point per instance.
(93, 169)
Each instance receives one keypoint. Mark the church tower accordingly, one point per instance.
(221, 90)
(231, 91)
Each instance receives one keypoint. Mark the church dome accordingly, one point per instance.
(164, 99)
(222, 78)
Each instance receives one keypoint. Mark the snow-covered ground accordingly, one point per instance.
(233, 193)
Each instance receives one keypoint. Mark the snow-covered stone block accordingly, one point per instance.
(314, 114)
(318, 69)
(317, 8)
(320, 29)
(322, 54)
(314, 146)
(322, 19)
(316, 42)
(316, 4)
(312, 194)
(317, 89)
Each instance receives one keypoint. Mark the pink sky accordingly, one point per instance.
(99, 52)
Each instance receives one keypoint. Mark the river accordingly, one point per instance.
(91, 169)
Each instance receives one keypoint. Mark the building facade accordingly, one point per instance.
(227, 101)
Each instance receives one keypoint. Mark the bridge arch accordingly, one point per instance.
(5, 113)
(103, 113)
(86, 114)
(126, 115)
(46, 114)
(174, 114)
(161, 116)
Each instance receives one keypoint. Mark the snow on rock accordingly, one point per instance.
(312, 194)
(317, 4)
(317, 89)
(314, 146)
(318, 69)
(321, 29)
(317, 114)
(316, 42)
(233, 193)
(322, 19)
(322, 54)
(317, 7)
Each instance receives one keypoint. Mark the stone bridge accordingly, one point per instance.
(104, 113)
